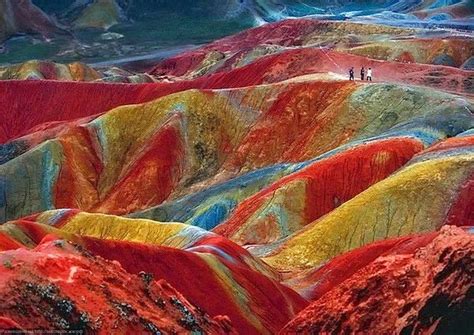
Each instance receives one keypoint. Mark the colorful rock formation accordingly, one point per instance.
(222, 278)
(427, 289)
(244, 186)
(56, 286)
(392, 207)
(448, 52)
(197, 134)
(35, 70)
(22, 16)
(99, 14)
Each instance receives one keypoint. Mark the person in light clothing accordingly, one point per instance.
(369, 74)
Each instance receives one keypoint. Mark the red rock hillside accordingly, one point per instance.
(427, 291)
(57, 286)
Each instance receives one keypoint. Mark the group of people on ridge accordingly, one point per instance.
(362, 74)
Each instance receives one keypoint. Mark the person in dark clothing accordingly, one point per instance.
(351, 74)
(362, 73)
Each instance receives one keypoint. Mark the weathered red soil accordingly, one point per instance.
(315, 283)
(215, 274)
(428, 290)
(268, 303)
(57, 286)
(27, 104)
(50, 101)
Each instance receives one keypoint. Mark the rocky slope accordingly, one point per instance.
(426, 291)
(58, 286)
(215, 274)
(23, 17)
(198, 134)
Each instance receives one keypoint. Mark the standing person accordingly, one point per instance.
(351, 73)
(362, 73)
(369, 74)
